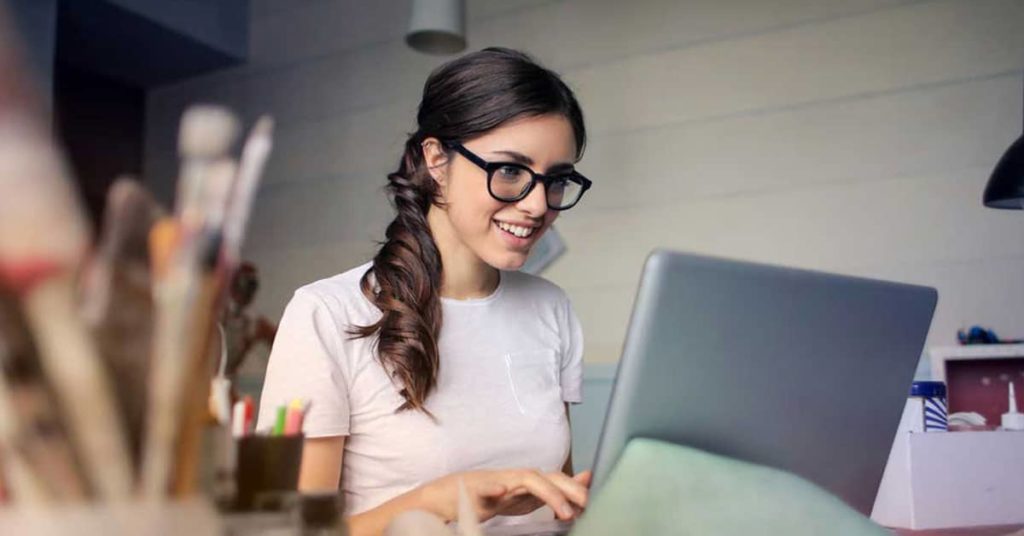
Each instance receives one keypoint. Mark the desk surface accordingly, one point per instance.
(1007, 530)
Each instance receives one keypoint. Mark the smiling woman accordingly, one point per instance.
(405, 405)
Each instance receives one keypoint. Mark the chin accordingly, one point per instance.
(509, 262)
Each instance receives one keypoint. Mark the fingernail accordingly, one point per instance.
(567, 510)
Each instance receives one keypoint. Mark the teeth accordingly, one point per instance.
(521, 232)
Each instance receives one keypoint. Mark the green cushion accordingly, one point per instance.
(661, 488)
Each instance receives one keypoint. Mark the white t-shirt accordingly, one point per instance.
(508, 363)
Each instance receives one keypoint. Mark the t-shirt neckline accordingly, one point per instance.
(479, 301)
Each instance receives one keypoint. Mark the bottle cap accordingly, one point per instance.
(928, 389)
(1013, 419)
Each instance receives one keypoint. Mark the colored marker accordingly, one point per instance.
(250, 415)
(279, 422)
(293, 421)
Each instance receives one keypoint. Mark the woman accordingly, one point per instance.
(438, 362)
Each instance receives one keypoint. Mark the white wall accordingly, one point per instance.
(846, 135)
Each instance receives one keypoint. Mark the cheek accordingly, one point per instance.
(476, 206)
(471, 210)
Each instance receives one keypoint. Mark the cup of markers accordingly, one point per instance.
(267, 469)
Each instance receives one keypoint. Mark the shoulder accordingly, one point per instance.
(344, 284)
(340, 295)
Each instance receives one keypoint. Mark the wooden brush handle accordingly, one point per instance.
(195, 402)
(69, 358)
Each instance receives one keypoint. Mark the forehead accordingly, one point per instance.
(546, 139)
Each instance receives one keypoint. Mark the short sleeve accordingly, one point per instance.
(305, 364)
(572, 356)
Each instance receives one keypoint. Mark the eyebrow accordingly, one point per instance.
(521, 158)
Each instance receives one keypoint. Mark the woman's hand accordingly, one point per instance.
(521, 501)
(509, 492)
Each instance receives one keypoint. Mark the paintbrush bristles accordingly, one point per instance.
(250, 169)
(216, 190)
(206, 134)
(163, 238)
(41, 220)
(130, 212)
(207, 131)
(264, 127)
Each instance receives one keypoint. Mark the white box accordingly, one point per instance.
(952, 479)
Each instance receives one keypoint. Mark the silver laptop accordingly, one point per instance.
(799, 370)
(804, 371)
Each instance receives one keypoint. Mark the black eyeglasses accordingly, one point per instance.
(509, 182)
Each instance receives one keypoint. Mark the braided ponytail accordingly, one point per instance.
(407, 275)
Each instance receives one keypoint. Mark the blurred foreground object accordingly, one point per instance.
(35, 452)
(43, 238)
(116, 300)
(81, 334)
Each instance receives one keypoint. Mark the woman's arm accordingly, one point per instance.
(321, 471)
(321, 464)
(567, 468)
(490, 491)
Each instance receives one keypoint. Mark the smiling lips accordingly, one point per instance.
(516, 230)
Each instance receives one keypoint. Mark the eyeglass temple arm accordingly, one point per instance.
(465, 152)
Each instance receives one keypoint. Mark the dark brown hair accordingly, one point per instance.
(462, 99)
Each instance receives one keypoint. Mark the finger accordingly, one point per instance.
(490, 489)
(518, 491)
(542, 488)
(585, 477)
(572, 488)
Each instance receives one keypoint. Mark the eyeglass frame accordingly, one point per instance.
(546, 180)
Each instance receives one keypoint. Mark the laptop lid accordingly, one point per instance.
(804, 371)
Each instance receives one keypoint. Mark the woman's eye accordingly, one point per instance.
(559, 183)
(510, 172)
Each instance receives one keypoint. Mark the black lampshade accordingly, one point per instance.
(1005, 188)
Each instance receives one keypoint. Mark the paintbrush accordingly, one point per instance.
(469, 523)
(205, 312)
(255, 153)
(130, 213)
(34, 441)
(116, 299)
(42, 240)
(206, 134)
(229, 227)
(14, 469)
(159, 426)
(254, 156)
(28, 489)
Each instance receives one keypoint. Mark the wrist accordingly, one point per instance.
(430, 497)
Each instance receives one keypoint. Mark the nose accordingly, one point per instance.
(536, 202)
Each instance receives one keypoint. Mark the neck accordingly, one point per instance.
(465, 276)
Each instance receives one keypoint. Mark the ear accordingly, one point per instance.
(436, 160)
